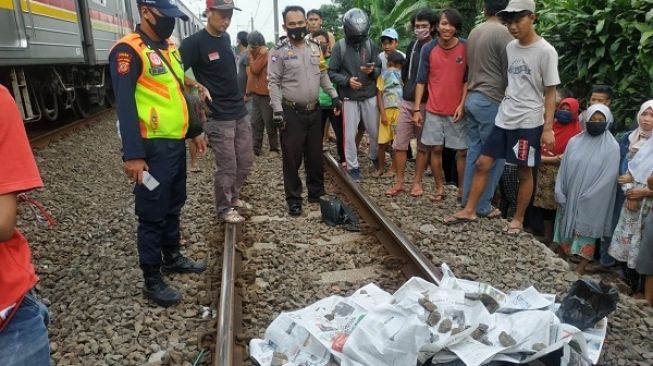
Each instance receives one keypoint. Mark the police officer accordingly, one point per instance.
(296, 69)
(146, 72)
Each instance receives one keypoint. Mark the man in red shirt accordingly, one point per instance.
(443, 70)
(23, 318)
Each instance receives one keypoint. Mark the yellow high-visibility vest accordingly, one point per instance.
(161, 106)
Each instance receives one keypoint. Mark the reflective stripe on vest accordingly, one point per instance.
(161, 106)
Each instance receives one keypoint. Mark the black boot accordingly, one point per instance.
(157, 290)
(177, 263)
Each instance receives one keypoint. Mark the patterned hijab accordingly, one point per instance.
(639, 137)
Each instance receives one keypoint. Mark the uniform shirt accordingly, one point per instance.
(487, 59)
(296, 74)
(19, 173)
(124, 87)
(444, 71)
(214, 65)
(530, 70)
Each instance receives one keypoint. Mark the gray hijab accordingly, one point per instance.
(586, 185)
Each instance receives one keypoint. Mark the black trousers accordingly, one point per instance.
(158, 210)
(301, 140)
(336, 124)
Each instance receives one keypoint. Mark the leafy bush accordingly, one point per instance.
(603, 42)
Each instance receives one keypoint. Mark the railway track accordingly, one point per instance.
(411, 262)
(41, 139)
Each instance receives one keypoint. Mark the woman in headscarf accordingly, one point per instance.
(565, 127)
(585, 187)
(629, 145)
(627, 236)
(644, 262)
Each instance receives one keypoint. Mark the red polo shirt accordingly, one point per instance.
(18, 173)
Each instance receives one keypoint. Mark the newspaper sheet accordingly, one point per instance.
(459, 320)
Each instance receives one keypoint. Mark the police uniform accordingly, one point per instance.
(295, 75)
(154, 122)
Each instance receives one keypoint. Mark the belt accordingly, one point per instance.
(300, 107)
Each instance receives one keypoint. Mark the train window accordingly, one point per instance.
(101, 2)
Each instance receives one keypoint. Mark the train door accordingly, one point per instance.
(12, 28)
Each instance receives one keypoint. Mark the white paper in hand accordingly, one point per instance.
(149, 182)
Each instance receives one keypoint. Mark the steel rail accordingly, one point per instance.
(225, 340)
(394, 240)
(44, 139)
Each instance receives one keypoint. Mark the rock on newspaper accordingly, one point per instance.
(462, 321)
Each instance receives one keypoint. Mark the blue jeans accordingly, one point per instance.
(480, 113)
(24, 341)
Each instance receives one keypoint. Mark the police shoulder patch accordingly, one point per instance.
(123, 63)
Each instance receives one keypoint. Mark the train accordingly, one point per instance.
(54, 53)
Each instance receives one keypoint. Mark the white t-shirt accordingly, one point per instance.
(530, 69)
(384, 60)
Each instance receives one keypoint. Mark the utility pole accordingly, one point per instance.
(276, 21)
(252, 17)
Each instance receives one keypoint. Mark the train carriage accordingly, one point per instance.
(54, 53)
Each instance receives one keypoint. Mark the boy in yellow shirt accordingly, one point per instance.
(389, 96)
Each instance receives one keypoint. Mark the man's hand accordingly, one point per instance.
(200, 144)
(337, 105)
(459, 113)
(203, 92)
(637, 193)
(547, 139)
(134, 169)
(626, 178)
(417, 118)
(246, 98)
(354, 83)
(277, 120)
(384, 119)
(367, 69)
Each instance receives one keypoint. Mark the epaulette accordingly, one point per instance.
(312, 40)
(281, 43)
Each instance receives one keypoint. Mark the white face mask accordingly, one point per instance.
(422, 33)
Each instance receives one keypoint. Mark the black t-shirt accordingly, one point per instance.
(214, 66)
(409, 71)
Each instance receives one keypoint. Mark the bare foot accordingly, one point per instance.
(417, 190)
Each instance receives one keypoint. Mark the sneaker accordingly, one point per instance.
(231, 216)
(356, 175)
(238, 203)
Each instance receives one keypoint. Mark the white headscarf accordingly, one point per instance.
(641, 165)
(639, 137)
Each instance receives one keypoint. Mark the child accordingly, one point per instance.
(525, 118)
(389, 97)
(601, 94)
(389, 41)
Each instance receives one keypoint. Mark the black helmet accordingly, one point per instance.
(356, 24)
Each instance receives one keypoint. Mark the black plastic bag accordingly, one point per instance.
(588, 302)
(335, 212)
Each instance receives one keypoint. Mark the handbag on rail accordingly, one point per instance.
(337, 213)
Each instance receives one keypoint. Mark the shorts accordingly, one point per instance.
(387, 132)
(520, 147)
(442, 130)
(406, 129)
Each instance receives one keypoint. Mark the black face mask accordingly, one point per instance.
(164, 26)
(563, 117)
(596, 128)
(297, 34)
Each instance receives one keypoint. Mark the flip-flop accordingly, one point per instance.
(512, 230)
(453, 220)
(416, 192)
(388, 174)
(493, 214)
(393, 192)
(436, 197)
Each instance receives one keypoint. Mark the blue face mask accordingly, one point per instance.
(563, 117)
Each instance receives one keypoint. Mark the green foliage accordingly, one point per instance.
(331, 19)
(603, 42)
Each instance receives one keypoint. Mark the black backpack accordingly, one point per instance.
(335, 212)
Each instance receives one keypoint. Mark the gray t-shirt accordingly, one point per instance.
(242, 61)
(530, 70)
(487, 60)
(384, 60)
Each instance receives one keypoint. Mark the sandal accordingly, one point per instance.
(388, 174)
(452, 220)
(394, 191)
(493, 214)
(512, 230)
(416, 191)
(436, 197)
